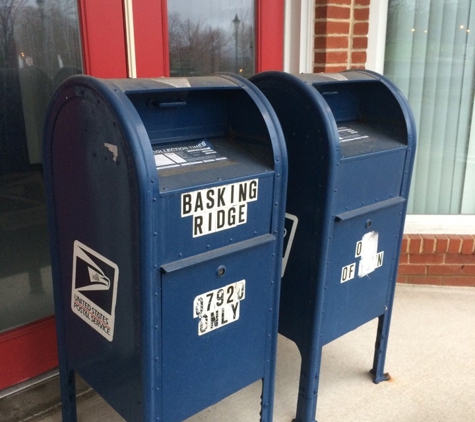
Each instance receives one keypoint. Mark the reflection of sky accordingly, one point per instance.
(213, 12)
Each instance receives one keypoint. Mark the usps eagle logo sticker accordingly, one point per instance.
(94, 289)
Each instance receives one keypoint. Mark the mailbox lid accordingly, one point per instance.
(362, 266)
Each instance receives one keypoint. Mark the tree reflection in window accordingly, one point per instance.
(39, 48)
(221, 41)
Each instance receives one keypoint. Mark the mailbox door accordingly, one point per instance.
(361, 266)
(216, 320)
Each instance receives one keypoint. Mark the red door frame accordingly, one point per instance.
(30, 350)
(104, 46)
(270, 35)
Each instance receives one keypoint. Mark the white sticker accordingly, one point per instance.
(94, 289)
(348, 272)
(113, 149)
(186, 155)
(369, 254)
(347, 134)
(219, 208)
(370, 259)
(219, 307)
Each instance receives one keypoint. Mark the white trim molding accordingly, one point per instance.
(299, 36)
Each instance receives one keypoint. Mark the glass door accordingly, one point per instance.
(39, 48)
(42, 42)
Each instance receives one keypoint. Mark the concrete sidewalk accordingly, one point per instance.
(431, 359)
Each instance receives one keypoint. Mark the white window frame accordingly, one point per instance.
(299, 36)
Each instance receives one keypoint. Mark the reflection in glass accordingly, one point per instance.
(430, 55)
(211, 36)
(39, 48)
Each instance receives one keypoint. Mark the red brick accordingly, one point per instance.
(361, 13)
(428, 244)
(358, 57)
(468, 270)
(445, 269)
(431, 280)
(459, 281)
(321, 11)
(467, 244)
(403, 259)
(460, 259)
(442, 243)
(335, 57)
(427, 259)
(455, 244)
(320, 27)
(320, 59)
(338, 12)
(415, 243)
(360, 28)
(412, 269)
(360, 42)
(337, 27)
(362, 2)
(320, 42)
(337, 42)
(330, 42)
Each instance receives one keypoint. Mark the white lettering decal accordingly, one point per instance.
(219, 208)
(348, 272)
(219, 307)
(366, 250)
(94, 289)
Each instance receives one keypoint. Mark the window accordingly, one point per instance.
(430, 56)
(39, 48)
(210, 37)
(39, 44)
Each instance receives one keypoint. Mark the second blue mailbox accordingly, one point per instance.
(166, 201)
(351, 141)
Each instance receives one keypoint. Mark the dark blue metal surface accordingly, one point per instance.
(351, 143)
(137, 244)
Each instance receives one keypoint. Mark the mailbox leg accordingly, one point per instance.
(381, 348)
(266, 402)
(68, 395)
(308, 387)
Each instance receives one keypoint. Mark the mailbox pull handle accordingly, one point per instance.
(217, 253)
(348, 215)
(152, 103)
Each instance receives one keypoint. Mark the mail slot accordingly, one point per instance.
(351, 142)
(167, 202)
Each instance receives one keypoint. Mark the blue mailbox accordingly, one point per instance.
(351, 141)
(166, 201)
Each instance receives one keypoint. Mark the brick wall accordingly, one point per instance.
(341, 34)
(443, 260)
